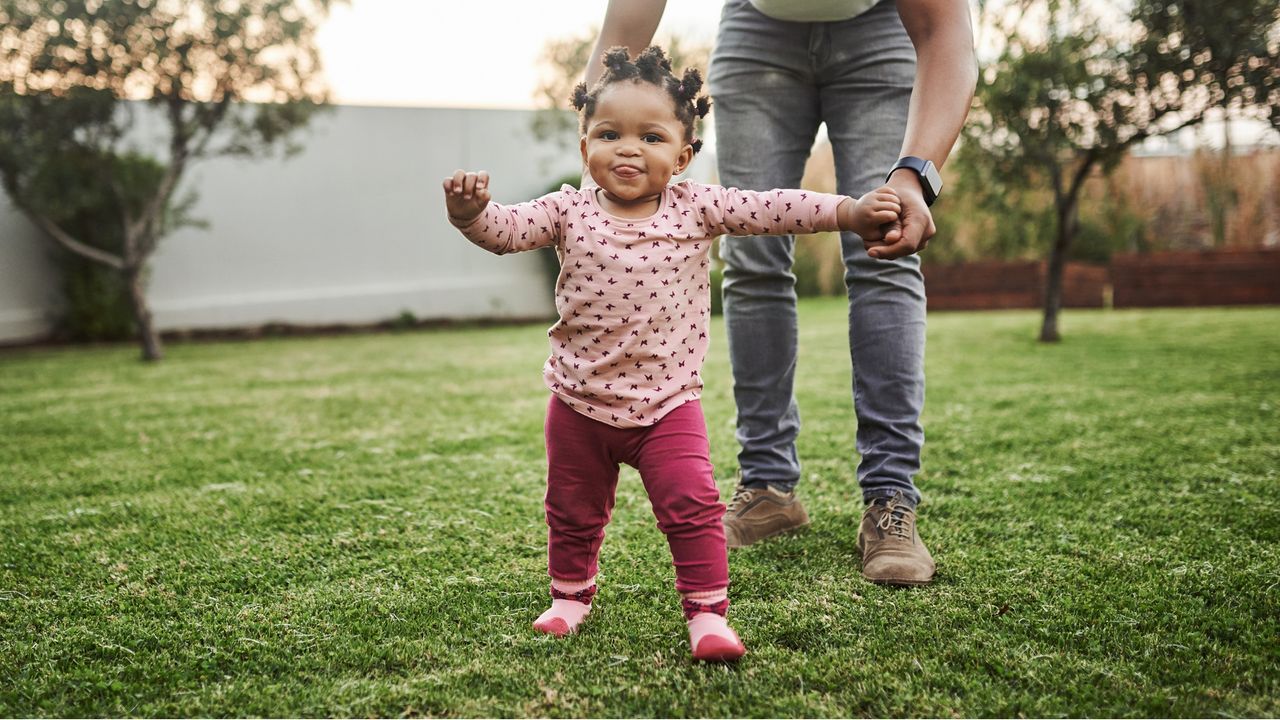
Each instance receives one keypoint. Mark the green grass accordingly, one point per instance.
(353, 526)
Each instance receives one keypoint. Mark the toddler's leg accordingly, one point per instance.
(676, 468)
(581, 478)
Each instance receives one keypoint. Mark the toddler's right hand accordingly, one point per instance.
(465, 195)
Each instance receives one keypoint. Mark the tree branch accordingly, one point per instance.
(60, 237)
(1082, 173)
(1144, 134)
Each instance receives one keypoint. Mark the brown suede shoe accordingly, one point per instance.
(758, 513)
(892, 552)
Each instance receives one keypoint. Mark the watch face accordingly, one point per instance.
(935, 179)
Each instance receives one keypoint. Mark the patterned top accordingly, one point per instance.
(634, 294)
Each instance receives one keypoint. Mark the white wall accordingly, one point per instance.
(352, 230)
(28, 293)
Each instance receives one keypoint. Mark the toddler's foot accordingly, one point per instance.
(710, 637)
(570, 603)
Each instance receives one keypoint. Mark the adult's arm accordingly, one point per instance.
(629, 23)
(946, 73)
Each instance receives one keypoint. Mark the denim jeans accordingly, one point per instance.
(773, 82)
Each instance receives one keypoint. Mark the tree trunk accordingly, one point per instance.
(1226, 186)
(1066, 231)
(147, 335)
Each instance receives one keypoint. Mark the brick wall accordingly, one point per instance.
(1171, 279)
(1224, 277)
(996, 285)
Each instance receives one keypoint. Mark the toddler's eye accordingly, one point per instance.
(608, 135)
(651, 138)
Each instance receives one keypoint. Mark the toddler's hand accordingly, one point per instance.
(875, 216)
(465, 195)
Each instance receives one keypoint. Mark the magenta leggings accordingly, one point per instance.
(672, 456)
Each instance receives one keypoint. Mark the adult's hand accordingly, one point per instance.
(915, 223)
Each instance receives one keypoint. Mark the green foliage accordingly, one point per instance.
(563, 61)
(551, 261)
(228, 79)
(1071, 98)
(353, 526)
(818, 265)
(981, 219)
(71, 189)
(1230, 49)
(1053, 107)
(406, 320)
(717, 290)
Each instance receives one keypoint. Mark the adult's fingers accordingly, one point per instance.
(907, 242)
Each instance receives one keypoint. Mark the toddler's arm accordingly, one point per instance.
(731, 211)
(500, 229)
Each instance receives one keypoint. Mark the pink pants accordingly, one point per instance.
(673, 459)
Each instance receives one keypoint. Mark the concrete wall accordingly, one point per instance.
(27, 280)
(352, 230)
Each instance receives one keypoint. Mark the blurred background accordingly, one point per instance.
(219, 166)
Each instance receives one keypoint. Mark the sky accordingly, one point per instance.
(482, 53)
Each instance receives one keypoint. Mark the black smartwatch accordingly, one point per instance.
(930, 180)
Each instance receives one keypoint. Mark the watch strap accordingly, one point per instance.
(920, 167)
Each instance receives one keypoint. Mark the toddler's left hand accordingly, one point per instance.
(874, 216)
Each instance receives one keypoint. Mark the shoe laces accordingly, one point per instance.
(896, 520)
(741, 494)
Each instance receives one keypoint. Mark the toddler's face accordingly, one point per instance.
(634, 143)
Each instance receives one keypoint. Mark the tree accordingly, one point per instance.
(1216, 26)
(228, 77)
(1071, 100)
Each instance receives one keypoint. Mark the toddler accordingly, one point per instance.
(633, 295)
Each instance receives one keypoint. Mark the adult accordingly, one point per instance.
(893, 82)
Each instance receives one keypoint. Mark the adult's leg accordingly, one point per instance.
(766, 110)
(866, 74)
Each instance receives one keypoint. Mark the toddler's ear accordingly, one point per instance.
(686, 157)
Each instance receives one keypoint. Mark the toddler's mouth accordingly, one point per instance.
(627, 171)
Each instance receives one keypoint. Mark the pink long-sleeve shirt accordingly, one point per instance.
(634, 294)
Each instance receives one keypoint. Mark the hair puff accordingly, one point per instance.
(653, 63)
(580, 96)
(690, 84)
(616, 59)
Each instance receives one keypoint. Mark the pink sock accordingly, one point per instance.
(710, 637)
(570, 603)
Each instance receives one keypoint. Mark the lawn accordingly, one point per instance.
(353, 526)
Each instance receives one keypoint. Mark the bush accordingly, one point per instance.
(717, 296)
(818, 265)
(70, 189)
(551, 261)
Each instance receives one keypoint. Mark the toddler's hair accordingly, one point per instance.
(652, 66)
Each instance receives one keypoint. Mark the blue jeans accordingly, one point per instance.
(773, 83)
